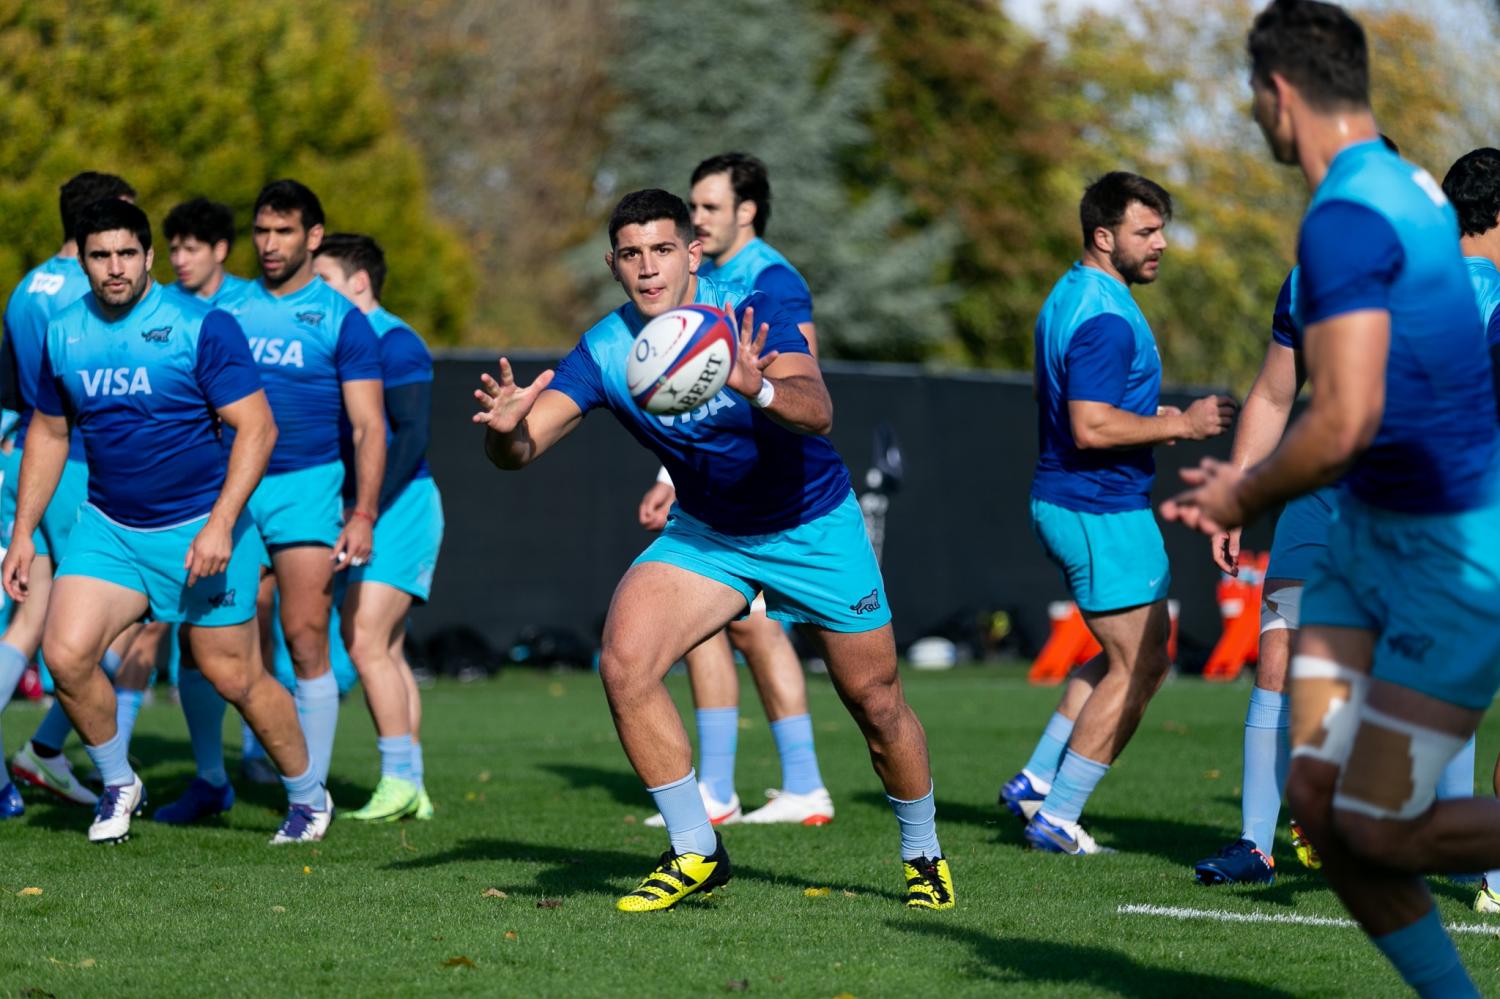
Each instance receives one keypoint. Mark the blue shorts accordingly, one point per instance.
(151, 562)
(407, 537)
(51, 535)
(822, 573)
(302, 507)
(1111, 561)
(1427, 585)
(1302, 534)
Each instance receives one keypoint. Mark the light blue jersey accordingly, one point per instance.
(1485, 278)
(229, 288)
(45, 291)
(404, 360)
(761, 267)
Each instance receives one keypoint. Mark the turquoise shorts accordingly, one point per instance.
(822, 573)
(1111, 561)
(1427, 585)
(151, 562)
(303, 507)
(51, 535)
(407, 537)
(1301, 534)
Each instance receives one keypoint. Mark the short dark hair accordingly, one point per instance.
(1106, 199)
(1317, 47)
(83, 190)
(206, 221)
(640, 207)
(286, 196)
(747, 175)
(1473, 185)
(109, 215)
(355, 253)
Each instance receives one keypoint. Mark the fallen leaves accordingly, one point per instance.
(460, 961)
(816, 892)
(494, 893)
(87, 962)
(1211, 775)
(278, 908)
(484, 777)
(737, 985)
(29, 891)
(549, 903)
(630, 820)
(306, 869)
(512, 935)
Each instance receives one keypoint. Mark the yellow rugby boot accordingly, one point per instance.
(677, 876)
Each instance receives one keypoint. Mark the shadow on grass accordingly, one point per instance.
(623, 786)
(1017, 960)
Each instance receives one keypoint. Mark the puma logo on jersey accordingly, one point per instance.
(158, 335)
(309, 318)
(721, 401)
(46, 284)
(276, 350)
(115, 381)
(867, 604)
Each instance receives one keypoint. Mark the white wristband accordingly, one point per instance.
(664, 477)
(763, 398)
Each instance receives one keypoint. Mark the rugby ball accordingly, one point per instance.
(681, 359)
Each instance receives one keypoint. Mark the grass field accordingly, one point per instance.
(510, 889)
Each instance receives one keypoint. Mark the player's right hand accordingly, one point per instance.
(15, 571)
(1226, 548)
(655, 505)
(505, 404)
(1211, 416)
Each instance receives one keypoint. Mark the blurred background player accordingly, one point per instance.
(1398, 655)
(200, 234)
(810, 553)
(44, 292)
(731, 207)
(1098, 378)
(379, 594)
(148, 377)
(318, 358)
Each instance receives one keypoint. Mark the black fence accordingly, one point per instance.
(542, 549)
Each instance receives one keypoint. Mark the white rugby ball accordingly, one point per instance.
(681, 359)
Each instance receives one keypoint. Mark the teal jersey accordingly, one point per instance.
(760, 267)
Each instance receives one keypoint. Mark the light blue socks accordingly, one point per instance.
(1048, 754)
(799, 758)
(918, 822)
(395, 756)
(718, 735)
(112, 761)
(305, 790)
(318, 711)
(1076, 780)
(1427, 960)
(1267, 753)
(687, 820)
(204, 710)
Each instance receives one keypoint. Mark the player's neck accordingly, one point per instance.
(1486, 245)
(69, 250)
(1100, 262)
(210, 288)
(299, 280)
(744, 239)
(1322, 136)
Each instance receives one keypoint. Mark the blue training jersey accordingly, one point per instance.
(735, 469)
(231, 286)
(307, 344)
(1485, 278)
(1285, 329)
(142, 390)
(760, 267)
(45, 291)
(1380, 234)
(1093, 345)
(404, 360)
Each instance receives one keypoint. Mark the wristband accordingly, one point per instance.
(665, 477)
(368, 516)
(763, 398)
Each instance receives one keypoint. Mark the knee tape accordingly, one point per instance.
(1281, 609)
(1326, 703)
(1399, 764)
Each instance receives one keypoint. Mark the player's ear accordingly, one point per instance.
(314, 238)
(221, 251)
(150, 257)
(1104, 239)
(744, 213)
(609, 261)
(695, 255)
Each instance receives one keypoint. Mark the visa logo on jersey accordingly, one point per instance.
(276, 350)
(115, 381)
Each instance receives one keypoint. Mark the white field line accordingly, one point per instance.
(1287, 919)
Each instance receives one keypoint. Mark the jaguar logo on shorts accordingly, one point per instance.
(158, 335)
(225, 599)
(309, 318)
(866, 604)
(1413, 647)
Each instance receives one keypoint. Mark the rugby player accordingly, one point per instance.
(317, 356)
(146, 377)
(200, 234)
(1098, 379)
(731, 207)
(1398, 655)
(380, 593)
(763, 503)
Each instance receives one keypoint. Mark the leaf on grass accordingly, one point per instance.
(816, 892)
(484, 777)
(470, 796)
(278, 908)
(512, 935)
(844, 995)
(556, 689)
(549, 903)
(87, 962)
(630, 820)
(1211, 775)
(850, 894)
(1175, 727)
(459, 962)
(405, 845)
(737, 985)
(495, 893)
(306, 869)
(36, 993)
(29, 891)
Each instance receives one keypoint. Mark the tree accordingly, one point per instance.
(215, 98)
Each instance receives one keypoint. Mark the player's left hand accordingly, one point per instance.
(209, 553)
(749, 363)
(355, 543)
(1212, 504)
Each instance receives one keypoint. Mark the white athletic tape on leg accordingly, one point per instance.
(1430, 752)
(1281, 609)
(1341, 718)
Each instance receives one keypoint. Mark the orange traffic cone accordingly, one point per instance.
(1239, 605)
(1070, 644)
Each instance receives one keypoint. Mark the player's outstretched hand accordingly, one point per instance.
(1212, 504)
(1211, 416)
(1226, 551)
(749, 363)
(655, 504)
(209, 553)
(504, 403)
(355, 544)
(15, 571)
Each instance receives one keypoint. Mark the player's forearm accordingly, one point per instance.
(1314, 453)
(1261, 424)
(42, 461)
(512, 451)
(801, 403)
(249, 457)
(369, 465)
(1117, 428)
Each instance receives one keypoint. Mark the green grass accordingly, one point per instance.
(535, 799)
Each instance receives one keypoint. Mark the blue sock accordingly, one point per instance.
(12, 665)
(918, 822)
(799, 758)
(418, 771)
(112, 761)
(718, 733)
(687, 820)
(1076, 780)
(1266, 758)
(1457, 778)
(1426, 959)
(395, 756)
(250, 747)
(1048, 754)
(110, 663)
(318, 711)
(54, 728)
(127, 707)
(204, 710)
(305, 790)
